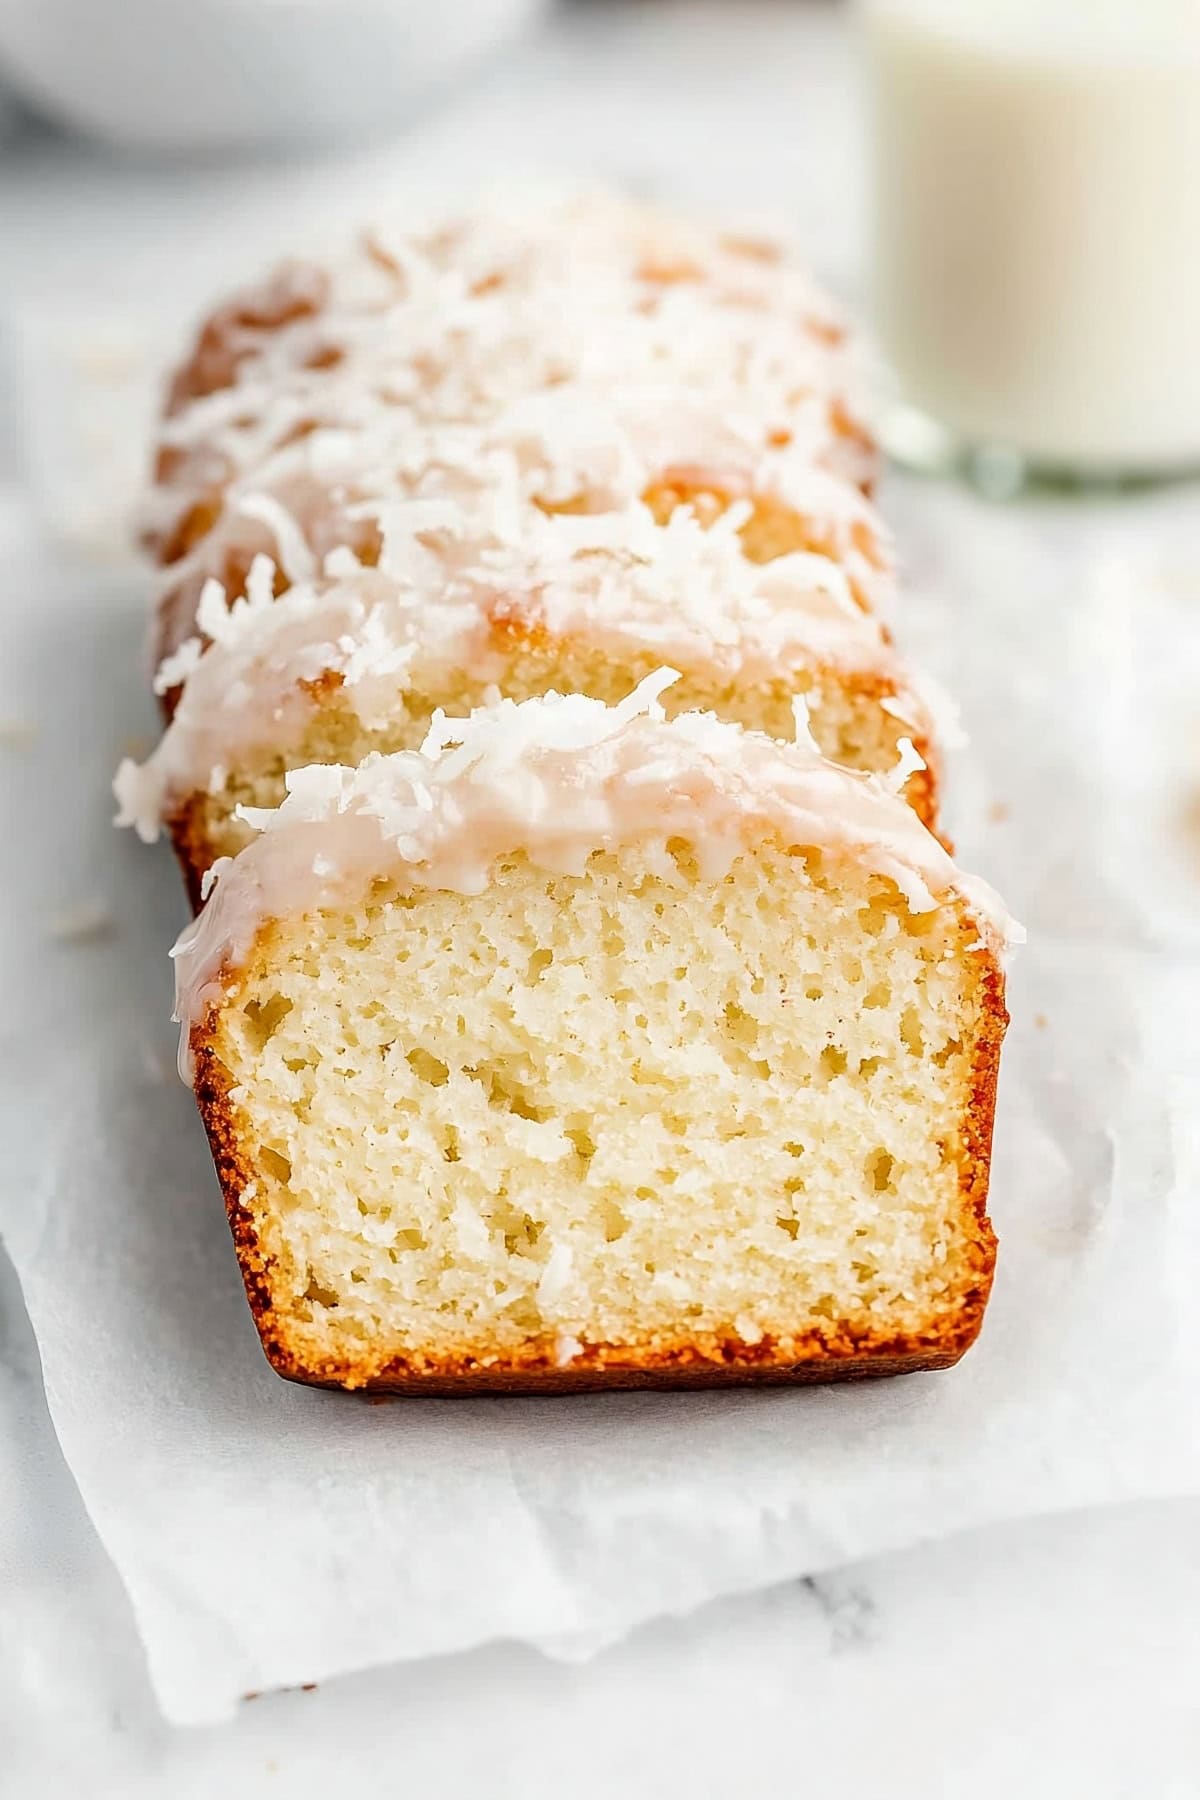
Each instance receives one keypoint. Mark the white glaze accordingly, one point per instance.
(325, 489)
(615, 583)
(451, 320)
(557, 778)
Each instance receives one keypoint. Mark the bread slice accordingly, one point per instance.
(590, 1048)
(450, 318)
(568, 452)
(592, 603)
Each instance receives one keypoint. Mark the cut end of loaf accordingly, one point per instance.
(617, 1128)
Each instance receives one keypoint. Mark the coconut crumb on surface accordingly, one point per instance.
(17, 733)
(87, 922)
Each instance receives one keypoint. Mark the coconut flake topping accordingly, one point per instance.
(451, 318)
(450, 581)
(571, 451)
(558, 778)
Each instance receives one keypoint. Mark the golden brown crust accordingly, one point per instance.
(835, 1354)
(774, 528)
(922, 789)
(194, 849)
(229, 335)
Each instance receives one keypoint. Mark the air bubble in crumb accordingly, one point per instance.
(88, 923)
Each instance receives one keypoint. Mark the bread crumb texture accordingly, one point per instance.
(617, 1120)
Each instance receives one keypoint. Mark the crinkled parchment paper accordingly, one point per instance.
(271, 1535)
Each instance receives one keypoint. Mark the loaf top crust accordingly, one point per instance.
(612, 462)
(453, 316)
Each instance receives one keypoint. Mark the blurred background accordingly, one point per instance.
(157, 153)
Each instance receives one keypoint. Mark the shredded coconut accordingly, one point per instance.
(175, 669)
(909, 762)
(615, 581)
(326, 494)
(448, 318)
(557, 777)
(295, 557)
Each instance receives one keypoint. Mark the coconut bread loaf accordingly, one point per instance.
(586, 1046)
(580, 994)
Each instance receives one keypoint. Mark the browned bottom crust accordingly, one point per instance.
(835, 1354)
(710, 1362)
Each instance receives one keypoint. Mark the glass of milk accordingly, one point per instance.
(1035, 226)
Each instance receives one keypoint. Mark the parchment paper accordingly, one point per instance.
(269, 1535)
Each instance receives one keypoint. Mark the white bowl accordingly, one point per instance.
(187, 74)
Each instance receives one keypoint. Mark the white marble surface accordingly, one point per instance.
(1060, 1657)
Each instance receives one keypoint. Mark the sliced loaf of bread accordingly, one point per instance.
(589, 1047)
